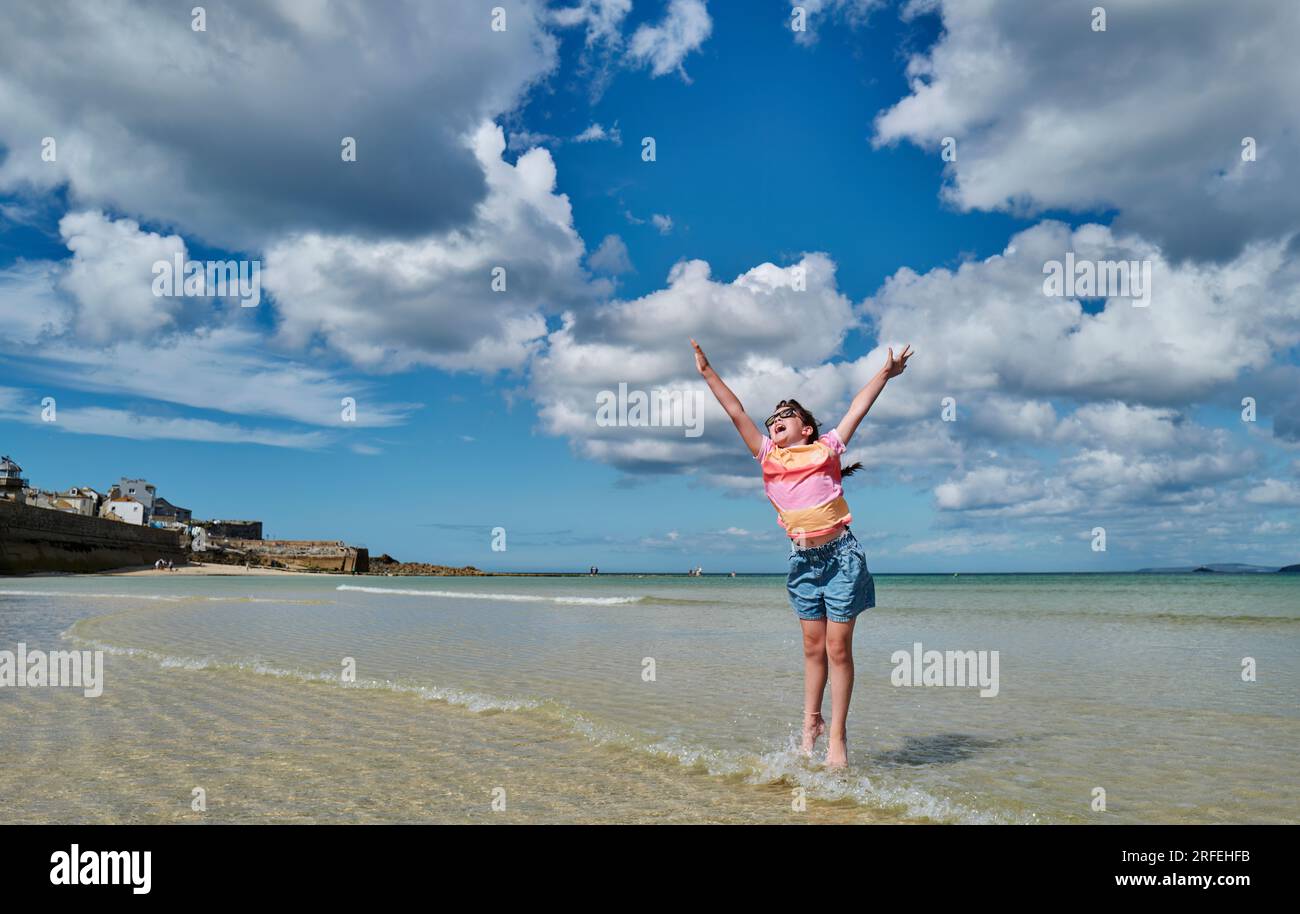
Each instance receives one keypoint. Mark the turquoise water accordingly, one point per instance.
(1131, 684)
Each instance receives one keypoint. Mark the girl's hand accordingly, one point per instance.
(894, 366)
(701, 360)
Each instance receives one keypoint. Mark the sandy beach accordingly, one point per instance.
(192, 569)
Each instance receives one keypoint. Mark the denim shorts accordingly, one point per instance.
(831, 580)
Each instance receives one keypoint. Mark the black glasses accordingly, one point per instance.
(780, 414)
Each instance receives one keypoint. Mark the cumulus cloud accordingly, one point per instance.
(1049, 114)
(986, 487)
(391, 305)
(988, 326)
(745, 326)
(110, 278)
(233, 135)
(1063, 407)
(1275, 492)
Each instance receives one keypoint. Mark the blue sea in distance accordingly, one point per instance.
(537, 692)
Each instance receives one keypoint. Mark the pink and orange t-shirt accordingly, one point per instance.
(803, 484)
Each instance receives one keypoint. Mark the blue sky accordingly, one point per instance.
(775, 150)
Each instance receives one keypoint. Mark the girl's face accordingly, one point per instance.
(786, 428)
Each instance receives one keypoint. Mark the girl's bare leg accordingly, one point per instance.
(814, 680)
(839, 649)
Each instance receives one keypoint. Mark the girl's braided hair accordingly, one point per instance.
(808, 419)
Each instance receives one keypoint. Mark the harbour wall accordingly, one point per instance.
(41, 539)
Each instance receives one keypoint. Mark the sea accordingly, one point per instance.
(1118, 698)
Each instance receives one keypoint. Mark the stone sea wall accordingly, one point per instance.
(41, 539)
(307, 555)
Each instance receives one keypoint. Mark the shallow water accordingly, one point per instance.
(535, 690)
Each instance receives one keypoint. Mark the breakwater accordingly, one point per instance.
(305, 555)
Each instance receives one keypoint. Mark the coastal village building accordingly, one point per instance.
(143, 528)
(73, 501)
(140, 490)
(38, 499)
(124, 509)
(135, 501)
(81, 501)
(12, 485)
(167, 513)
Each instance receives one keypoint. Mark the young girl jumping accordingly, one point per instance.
(828, 568)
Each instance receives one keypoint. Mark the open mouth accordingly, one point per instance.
(779, 428)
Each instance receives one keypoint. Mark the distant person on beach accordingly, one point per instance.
(828, 576)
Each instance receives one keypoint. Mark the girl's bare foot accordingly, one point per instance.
(837, 752)
(813, 727)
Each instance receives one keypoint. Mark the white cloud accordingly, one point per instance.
(110, 277)
(234, 135)
(611, 257)
(392, 305)
(963, 543)
(990, 486)
(1125, 428)
(988, 327)
(601, 19)
(745, 326)
(226, 369)
(1050, 114)
(1275, 492)
(853, 13)
(596, 133)
(663, 47)
(118, 423)
(34, 308)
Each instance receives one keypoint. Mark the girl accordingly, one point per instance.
(828, 568)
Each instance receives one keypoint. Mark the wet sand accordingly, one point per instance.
(192, 569)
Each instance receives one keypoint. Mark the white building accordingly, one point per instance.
(140, 490)
(78, 501)
(124, 509)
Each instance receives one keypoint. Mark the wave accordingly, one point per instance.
(682, 601)
(782, 765)
(506, 597)
(471, 700)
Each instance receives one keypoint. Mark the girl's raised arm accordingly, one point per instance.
(867, 395)
(730, 402)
